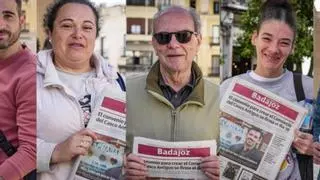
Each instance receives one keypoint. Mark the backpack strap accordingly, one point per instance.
(6, 146)
(9, 149)
(298, 87)
(121, 82)
(305, 162)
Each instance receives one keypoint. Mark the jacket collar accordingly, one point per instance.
(46, 68)
(196, 96)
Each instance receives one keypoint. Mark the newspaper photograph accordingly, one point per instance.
(179, 160)
(105, 158)
(256, 131)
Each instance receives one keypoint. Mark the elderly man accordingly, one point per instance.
(173, 102)
(18, 96)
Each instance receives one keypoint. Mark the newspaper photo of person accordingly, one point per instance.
(250, 147)
(242, 142)
(231, 171)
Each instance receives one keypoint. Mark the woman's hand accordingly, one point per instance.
(77, 144)
(303, 142)
(135, 168)
(210, 166)
(316, 152)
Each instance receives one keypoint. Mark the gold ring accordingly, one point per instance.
(82, 143)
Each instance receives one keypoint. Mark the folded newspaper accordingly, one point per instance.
(105, 158)
(256, 131)
(178, 160)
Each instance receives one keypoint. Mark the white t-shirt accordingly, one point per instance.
(77, 83)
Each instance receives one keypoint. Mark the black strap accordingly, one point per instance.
(6, 146)
(121, 82)
(298, 87)
(9, 149)
(305, 162)
(305, 166)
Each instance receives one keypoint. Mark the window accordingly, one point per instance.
(215, 34)
(149, 2)
(140, 2)
(135, 26)
(216, 7)
(136, 57)
(135, 29)
(215, 65)
(149, 26)
(135, 2)
(193, 4)
(103, 51)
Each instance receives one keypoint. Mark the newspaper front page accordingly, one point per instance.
(256, 131)
(179, 160)
(105, 158)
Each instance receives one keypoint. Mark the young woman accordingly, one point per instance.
(274, 41)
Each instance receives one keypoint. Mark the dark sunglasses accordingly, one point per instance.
(181, 36)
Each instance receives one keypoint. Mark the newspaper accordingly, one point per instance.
(178, 160)
(256, 131)
(105, 158)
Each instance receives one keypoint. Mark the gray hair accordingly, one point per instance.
(191, 11)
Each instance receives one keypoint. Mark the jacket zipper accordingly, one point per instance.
(174, 122)
(74, 100)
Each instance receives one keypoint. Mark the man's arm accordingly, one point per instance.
(24, 160)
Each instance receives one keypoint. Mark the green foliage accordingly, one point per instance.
(304, 38)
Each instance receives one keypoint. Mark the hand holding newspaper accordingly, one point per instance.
(256, 131)
(105, 158)
(179, 160)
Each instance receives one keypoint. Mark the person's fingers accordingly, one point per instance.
(316, 160)
(303, 142)
(302, 135)
(81, 151)
(134, 158)
(210, 166)
(210, 162)
(135, 168)
(89, 133)
(213, 171)
(136, 172)
(136, 165)
(211, 176)
(85, 141)
(316, 145)
(303, 147)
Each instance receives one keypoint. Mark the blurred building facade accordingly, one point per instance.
(111, 41)
(28, 34)
(139, 52)
(230, 31)
(41, 10)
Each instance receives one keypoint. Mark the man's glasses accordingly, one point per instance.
(181, 36)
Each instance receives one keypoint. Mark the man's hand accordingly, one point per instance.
(210, 166)
(316, 152)
(135, 168)
(303, 142)
(77, 144)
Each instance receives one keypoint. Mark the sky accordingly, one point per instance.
(109, 2)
